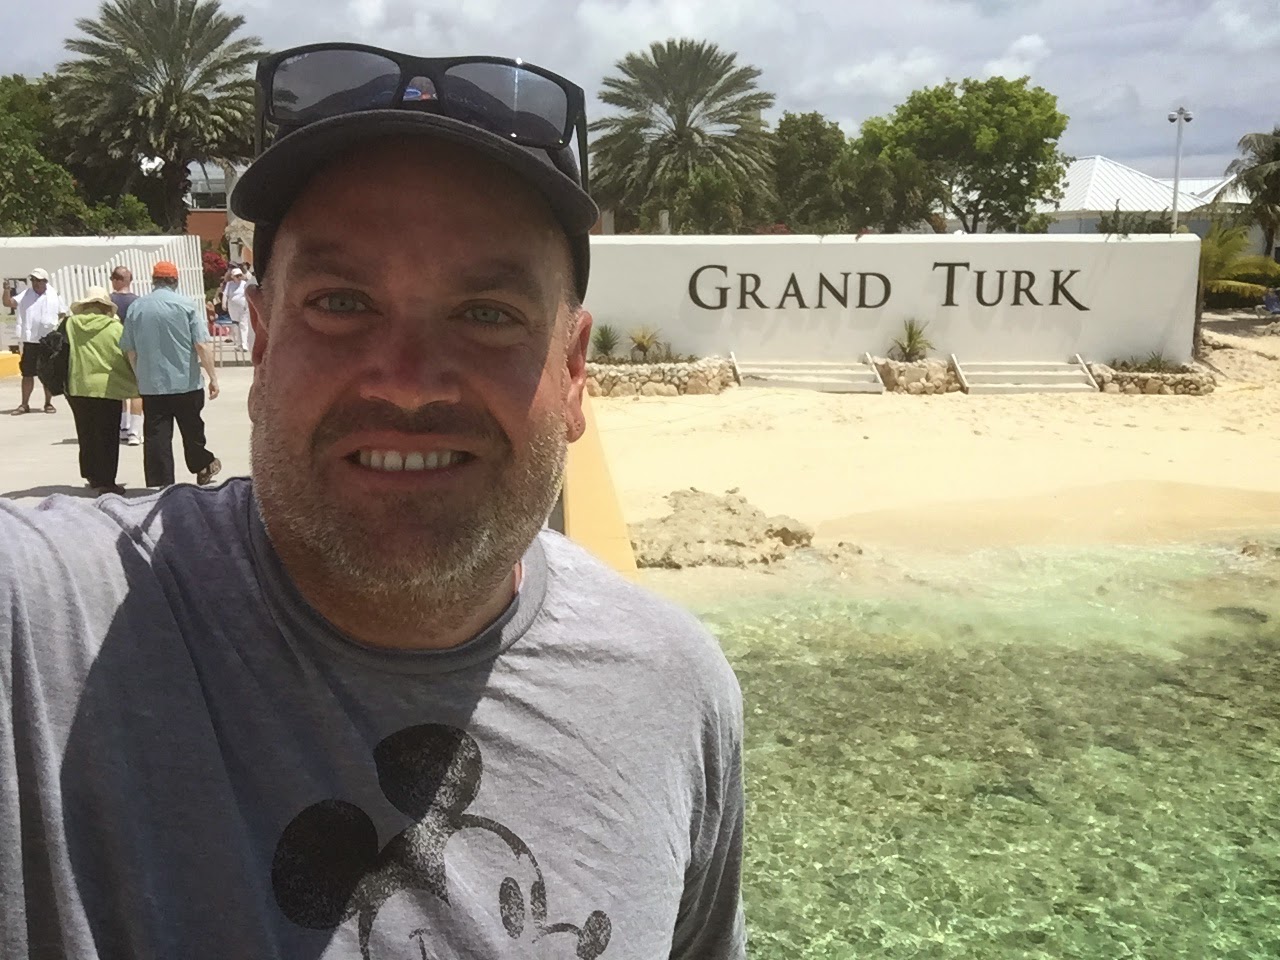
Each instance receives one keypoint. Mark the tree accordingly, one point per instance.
(807, 152)
(160, 79)
(1257, 171)
(686, 106)
(1123, 223)
(993, 145)
(1220, 250)
(890, 188)
(39, 197)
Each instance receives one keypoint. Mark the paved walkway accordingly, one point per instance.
(39, 454)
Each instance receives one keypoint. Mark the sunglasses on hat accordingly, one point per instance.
(517, 101)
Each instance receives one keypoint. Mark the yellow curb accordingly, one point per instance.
(8, 364)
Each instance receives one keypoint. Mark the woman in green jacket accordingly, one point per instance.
(99, 377)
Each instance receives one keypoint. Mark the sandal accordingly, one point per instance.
(50, 408)
(20, 409)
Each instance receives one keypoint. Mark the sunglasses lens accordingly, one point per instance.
(324, 83)
(507, 100)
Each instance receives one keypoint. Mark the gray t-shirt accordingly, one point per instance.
(194, 763)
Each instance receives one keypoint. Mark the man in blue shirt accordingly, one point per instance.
(131, 414)
(167, 342)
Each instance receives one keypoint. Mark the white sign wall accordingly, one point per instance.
(984, 297)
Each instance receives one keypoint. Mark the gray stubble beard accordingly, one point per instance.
(452, 576)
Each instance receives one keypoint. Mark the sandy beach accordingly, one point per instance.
(957, 471)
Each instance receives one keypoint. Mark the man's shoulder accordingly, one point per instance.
(87, 536)
(635, 620)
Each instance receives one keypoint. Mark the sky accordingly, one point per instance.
(1118, 67)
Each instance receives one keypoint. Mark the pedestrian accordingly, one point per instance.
(365, 696)
(166, 340)
(39, 310)
(122, 296)
(236, 306)
(99, 379)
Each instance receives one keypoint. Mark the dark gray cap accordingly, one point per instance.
(275, 179)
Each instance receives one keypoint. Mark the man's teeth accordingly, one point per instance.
(394, 460)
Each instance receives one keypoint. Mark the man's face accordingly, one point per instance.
(39, 285)
(418, 374)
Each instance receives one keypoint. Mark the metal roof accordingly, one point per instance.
(1096, 185)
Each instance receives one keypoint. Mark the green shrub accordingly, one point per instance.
(913, 345)
(1155, 362)
(605, 340)
(1228, 294)
(1257, 269)
(646, 339)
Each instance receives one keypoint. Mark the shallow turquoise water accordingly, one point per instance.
(1011, 754)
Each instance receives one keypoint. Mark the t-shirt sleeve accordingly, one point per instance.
(126, 339)
(711, 924)
(199, 326)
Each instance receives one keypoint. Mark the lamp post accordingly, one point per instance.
(1181, 117)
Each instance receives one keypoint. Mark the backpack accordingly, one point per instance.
(53, 365)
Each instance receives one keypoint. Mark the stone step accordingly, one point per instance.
(1039, 375)
(1003, 366)
(824, 384)
(994, 388)
(837, 373)
(805, 364)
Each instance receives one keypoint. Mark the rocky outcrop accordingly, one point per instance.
(710, 375)
(1185, 382)
(925, 377)
(708, 530)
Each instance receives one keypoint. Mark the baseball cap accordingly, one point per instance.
(165, 269)
(266, 191)
(39, 273)
(237, 272)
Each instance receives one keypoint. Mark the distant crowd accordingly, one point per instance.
(129, 367)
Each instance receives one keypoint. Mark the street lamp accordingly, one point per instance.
(1181, 117)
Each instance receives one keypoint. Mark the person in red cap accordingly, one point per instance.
(167, 342)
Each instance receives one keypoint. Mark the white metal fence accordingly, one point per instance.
(74, 280)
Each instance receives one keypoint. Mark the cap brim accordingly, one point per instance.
(267, 189)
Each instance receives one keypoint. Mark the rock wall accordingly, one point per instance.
(709, 375)
(1192, 383)
(924, 377)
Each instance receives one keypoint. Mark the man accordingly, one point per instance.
(39, 311)
(122, 296)
(236, 306)
(167, 341)
(365, 705)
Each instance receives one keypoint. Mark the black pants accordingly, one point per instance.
(159, 413)
(98, 432)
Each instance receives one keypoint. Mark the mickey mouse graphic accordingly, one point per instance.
(328, 868)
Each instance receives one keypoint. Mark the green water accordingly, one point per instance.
(1031, 755)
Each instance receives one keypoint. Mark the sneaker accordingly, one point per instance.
(209, 472)
(134, 440)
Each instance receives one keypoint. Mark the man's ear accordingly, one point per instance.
(258, 316)
(578, 347)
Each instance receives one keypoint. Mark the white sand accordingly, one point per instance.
(958, 471)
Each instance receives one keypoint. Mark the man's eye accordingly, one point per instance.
(490, 316)
(340, 303)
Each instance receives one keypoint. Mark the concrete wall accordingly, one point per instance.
(764, 298)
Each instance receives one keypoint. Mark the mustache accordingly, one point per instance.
(441, 418)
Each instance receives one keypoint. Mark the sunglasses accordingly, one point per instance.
(517, 101)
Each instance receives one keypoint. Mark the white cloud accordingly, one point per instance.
(889, 74)
(1020, 59)
(1117, 66)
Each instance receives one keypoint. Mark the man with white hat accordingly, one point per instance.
(236, 305)
(40, 310)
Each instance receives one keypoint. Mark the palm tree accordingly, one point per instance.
(1257, 172)
(161, 80)
(1221, 247)
(687, 106)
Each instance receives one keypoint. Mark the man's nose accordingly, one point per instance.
(412, 364)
